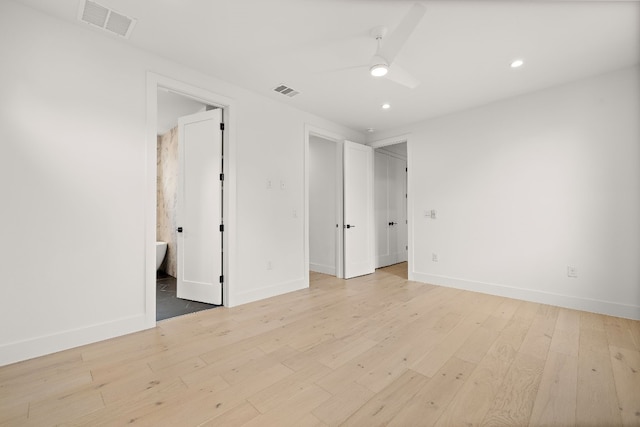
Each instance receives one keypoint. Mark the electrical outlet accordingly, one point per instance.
(572, 271)
(295, 213)
(434, 257)
(268, 184)
(269, 265)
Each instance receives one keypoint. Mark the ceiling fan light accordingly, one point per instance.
(379, 70)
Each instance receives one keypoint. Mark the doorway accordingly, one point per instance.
(323, 210)
(178, 115)
(339, 208)
(391, 205)
(196, 103)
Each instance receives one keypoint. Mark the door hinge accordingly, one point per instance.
(221, 228)
(221, 177)
(221, 279)
(406, 169)
(221, 126)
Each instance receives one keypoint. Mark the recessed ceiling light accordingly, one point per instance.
(386, 106)
(517, 63)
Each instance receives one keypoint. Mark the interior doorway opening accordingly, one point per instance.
(173, 111)
(323, 209)
(391, 205)
(338, 211)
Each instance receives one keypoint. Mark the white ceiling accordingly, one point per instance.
(460, 52)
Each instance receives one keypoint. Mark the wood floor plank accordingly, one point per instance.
(14, 414)
(293, 410)
(435, 359)
(383, 406)
(626, 374)
(236, 417)
(555, 402)
(269, 398)
(476, 346)
(54, 411)
(342, 405)
(513, 403)
(619, 333)
(373, 350)
(430, 401)
(477, 394)
(597, 403)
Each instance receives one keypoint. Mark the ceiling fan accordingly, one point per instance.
(390, 45)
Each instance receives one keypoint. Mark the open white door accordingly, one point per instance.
(359, 242)
(198, 210)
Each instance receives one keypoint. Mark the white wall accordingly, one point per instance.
(73, 122)
(525, 187)
(322, 205)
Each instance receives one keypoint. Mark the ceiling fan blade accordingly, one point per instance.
(401, 76)
(392, 43)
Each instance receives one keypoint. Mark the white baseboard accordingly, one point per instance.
(40, 346)
(576, 303)
(324, 269)
(267, 292)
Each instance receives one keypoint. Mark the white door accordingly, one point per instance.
(391, 216)
(198, 210)
(359, 244)
(399, 212)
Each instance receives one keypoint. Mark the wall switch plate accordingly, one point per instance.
(572, 271)
(269, 265)
(282, 185)
(434, 257)
(433, 214)
(268, 184)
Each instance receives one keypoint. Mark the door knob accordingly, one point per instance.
(349, 226)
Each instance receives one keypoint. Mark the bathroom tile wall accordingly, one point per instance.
(167, 187)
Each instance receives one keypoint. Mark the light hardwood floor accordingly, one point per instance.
(375, 350)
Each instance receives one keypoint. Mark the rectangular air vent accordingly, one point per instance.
(104, 18)
(285, 90)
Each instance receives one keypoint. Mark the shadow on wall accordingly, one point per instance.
(166, 197)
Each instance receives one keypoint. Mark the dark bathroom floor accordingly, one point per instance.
(168, 304)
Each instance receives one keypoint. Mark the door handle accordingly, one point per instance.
(349, 226)
(179, 229)
(392, 223)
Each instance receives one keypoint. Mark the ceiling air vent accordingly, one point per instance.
(109, 20)
(285, 90)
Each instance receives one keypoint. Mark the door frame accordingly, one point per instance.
(393, 141)
(310, 130)
(155, 82)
